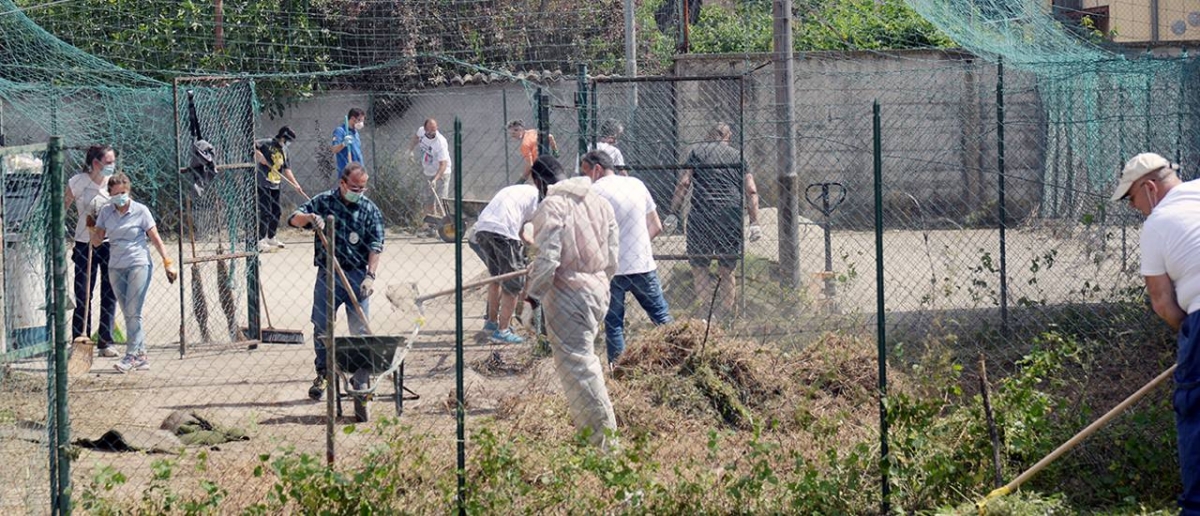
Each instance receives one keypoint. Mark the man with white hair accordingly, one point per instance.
(1170, 244)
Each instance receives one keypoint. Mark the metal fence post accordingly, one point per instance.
(582, 109)
(459, 410)
(331, 389)
(543, 123)
(1002, 207)
(504, 128)
(880, 305)
(62, 417)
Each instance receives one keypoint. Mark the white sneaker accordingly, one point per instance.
(265, 246)
(275, 243)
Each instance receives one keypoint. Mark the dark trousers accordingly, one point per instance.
(1187, 412)
(81, 321)
(268, 212)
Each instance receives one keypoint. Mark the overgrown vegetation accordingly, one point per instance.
(716, 425)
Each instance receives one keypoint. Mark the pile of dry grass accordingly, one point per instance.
(673, 382)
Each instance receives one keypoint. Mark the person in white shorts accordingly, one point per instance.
(435, 163)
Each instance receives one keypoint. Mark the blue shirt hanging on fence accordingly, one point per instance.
(359, 228)
(351, 152)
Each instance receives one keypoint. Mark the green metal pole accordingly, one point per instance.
(58, 253)
(880, 305)
(331, 388)
(582, 108)
(543, 123)
(179, 245)
(507, 158)
(1002, 205)
(459, 411)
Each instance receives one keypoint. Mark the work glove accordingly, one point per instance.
(347, 140)
(318, 223)
(367, 287)
(755, 233)
(172, 272)
(670, 224)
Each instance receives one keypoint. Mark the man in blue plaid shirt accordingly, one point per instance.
(359, 243)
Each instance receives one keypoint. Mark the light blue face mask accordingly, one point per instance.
(353, 197)
(109, 169)
(119, 200)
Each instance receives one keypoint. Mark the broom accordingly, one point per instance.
(79, 361)
(271, 334)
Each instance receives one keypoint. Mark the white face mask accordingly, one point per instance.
(358, 126)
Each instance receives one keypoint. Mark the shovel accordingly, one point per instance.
(435, 220)
(82, 348)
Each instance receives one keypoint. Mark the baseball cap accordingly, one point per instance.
(1137, 167)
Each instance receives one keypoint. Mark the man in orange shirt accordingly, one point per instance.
(529, 147)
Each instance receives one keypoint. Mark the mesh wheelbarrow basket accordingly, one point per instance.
(361, 361)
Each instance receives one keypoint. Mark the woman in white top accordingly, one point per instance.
(87, 190)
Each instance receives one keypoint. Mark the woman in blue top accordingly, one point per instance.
(130, 227)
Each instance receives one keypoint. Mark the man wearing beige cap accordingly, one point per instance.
(1171, 265)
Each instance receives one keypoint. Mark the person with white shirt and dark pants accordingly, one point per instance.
(638, 221)
(1170, 243)
(88, 191)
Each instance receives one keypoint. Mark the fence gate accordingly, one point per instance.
(217, 212)
(665, 118)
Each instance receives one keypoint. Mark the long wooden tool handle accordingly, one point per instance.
(1079, 437)
(480, 283)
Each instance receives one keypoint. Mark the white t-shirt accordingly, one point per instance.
(1171, 243)
(613, 152)
(631, 203)
(433, 151)
(508, 211)
(88, 196)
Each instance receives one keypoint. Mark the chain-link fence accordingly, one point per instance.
(966, 219)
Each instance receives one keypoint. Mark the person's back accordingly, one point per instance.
(508, 210)
(582, 221)
(631, 202)
(1171, 242)
(715, 186)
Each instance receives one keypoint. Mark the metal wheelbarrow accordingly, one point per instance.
(361, 361)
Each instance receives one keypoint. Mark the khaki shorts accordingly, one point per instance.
(443, 190)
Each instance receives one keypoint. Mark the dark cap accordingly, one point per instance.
(286, 133)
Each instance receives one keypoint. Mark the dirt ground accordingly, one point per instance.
(264, 390)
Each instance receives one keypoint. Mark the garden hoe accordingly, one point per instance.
(1078, 438)
(79, 361)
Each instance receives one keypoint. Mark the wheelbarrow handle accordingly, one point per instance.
(821, 200)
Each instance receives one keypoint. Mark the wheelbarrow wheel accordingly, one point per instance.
(446, 230)
(362, 410)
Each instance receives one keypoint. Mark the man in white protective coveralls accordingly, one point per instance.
(577, 240)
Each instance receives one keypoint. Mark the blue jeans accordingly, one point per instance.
(131, 285)
(1187, 413)
(648, 293)
(320, 314)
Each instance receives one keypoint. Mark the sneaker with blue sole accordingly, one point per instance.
(491, 326)
(506, 337)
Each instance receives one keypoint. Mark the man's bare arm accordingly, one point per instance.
(1162, 298)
